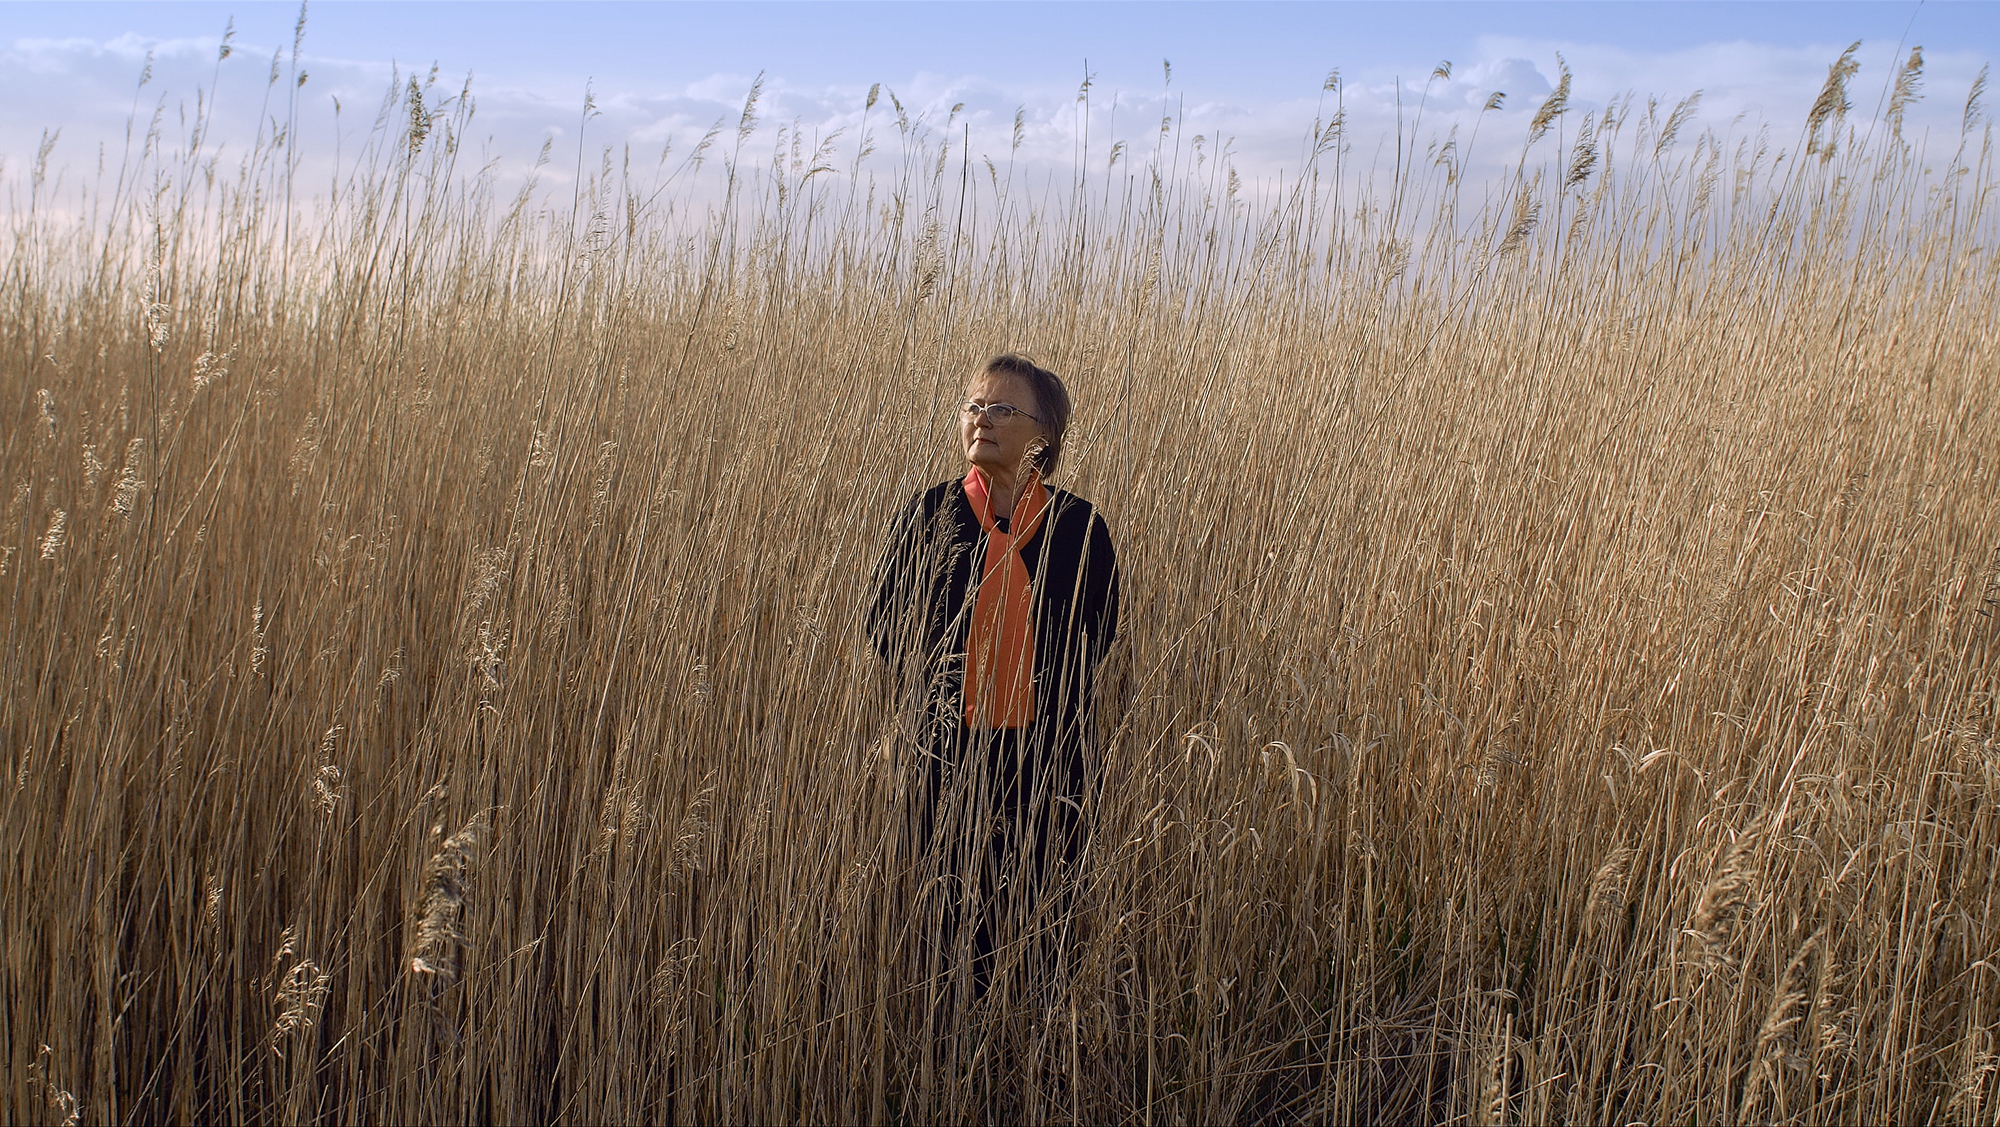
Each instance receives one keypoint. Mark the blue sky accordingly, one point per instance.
(1250, 71)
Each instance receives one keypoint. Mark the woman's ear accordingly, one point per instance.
(1037, 453)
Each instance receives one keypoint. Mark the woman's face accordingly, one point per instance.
(995, 446)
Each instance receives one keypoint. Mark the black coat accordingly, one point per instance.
(923, 610)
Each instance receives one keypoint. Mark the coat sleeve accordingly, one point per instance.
(1101, 589)
(896, 575)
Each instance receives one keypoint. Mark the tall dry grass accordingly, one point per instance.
(1558, 681)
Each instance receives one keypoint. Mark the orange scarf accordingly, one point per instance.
(1000, 653)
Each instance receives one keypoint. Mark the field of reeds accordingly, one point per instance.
(1557, 681)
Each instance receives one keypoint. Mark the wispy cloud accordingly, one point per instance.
(89, 88)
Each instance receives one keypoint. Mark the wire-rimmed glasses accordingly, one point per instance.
(994, 412)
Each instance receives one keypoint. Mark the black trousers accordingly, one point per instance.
(1000, 830)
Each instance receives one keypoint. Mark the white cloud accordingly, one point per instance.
(720, 88)
(1512, 75)
(87, 88)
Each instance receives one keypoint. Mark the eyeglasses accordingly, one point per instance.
(996, 412)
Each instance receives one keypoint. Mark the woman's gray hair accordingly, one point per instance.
(1052, 404)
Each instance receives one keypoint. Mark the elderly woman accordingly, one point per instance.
(996, 598)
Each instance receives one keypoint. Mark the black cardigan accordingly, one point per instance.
(922, 609)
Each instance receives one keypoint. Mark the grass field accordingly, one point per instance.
(1557, 681)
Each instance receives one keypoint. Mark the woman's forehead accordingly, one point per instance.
(1002, 386)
